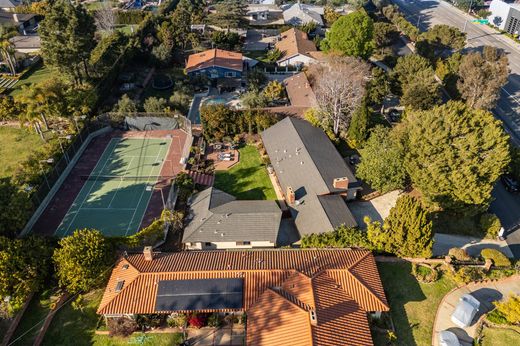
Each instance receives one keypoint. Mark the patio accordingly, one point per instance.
(223, 157)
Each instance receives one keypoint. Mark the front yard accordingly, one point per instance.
(412, 304)
(248, 179)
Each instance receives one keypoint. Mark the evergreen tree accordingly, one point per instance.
(435, 42)
(455, 154)
(125, 105)
(406, 232)
(67, 35)
(360, 124)
(155, 105)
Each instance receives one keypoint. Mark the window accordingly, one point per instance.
(243, 243)
(119, 285)
(230, 74)
(207, 244)
(125, 266)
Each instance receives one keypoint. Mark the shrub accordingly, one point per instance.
(341, 237)
(214, 320)
(496, 317)
(490, 225)
(149, 320)
(424, 273)
(177, 320)
(197, 320)
(459, 254)
(498, 258)
(465, 275)
(510, 309)
(121, 326)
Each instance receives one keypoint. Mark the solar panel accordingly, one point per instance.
(200, 294)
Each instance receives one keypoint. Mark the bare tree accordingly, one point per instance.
(105, 18)
(339, 86)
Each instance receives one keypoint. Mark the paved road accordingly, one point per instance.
(428, 13)
(486, 293)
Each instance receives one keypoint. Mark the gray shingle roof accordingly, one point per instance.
(219, 217)
(9, 3)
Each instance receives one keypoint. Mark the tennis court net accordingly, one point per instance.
(153, 178)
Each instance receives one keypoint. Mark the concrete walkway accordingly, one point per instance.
(486, 293)
(444, 242)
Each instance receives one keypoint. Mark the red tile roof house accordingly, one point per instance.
(290, 297)
(216, 63)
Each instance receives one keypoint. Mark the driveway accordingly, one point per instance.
(377, 209)
(507, 207)
(486, 293)
(444, 242)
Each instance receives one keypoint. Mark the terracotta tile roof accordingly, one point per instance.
(300, 91)
(281, 287)
(215, 57)
(294, 42)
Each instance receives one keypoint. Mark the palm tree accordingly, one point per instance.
(7, 48)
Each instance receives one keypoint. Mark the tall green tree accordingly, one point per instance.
(82, 260)
(481, 75)
(455, 154)
(67, 35)
(382, 159)
(7, 48)
(406, 232)
(351, 35)
(440, 40)
(15, 208)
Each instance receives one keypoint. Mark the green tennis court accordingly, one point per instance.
(115, 196)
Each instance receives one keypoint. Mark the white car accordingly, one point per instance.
(465, 311)
(447, 338)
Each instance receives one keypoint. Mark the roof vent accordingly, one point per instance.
(148, 253)
(125, 266)
(313, 318)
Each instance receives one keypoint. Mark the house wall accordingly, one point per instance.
(499, 13)
(227, 245)
(217, 72)
(299, 59)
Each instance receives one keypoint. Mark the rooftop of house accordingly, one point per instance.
(299, 13)
(216, 216)
(10, 18)
(9, 3)
(304, 297)
(299, 91)
(215, 57)
(293, 42)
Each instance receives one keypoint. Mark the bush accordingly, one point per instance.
(424, 273)
(177, 320)
(121, 326)
(465, 275)
(149, 320)
(510, 309)
(490, 225)
(498, 258)
(214, 320)
(496, 317)
(197, 320)
(459, 254)
(341, 237)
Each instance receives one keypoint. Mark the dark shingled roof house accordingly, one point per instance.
(312, 174)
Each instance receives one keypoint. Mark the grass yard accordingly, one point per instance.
(412, 304)
(150, 339)
(36, 75)
(15, 146)
(248, 179)
(497, 336)
(174, 73)
(75, 327)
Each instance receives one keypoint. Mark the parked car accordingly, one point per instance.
(465, 311)
(510, 183)
(447, 338)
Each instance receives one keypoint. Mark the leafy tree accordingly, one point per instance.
(341, 237)
(155, 105)
(125, 105)
(7, 48)
(274, 55)
(360, 125)
(229, 14)
(465, 4)
(382, 160)
(378, 87)
(514, 166)
(384, 34)
(380, 4)
(274, 90)
(482, 74)
(351, 35)
(447, 70)
(330, 15)
(162, 54)
(216, 120)
(8, 108)
(15, 208)
(82, 260)
(357, 4)
(252, 99)
(308, 27)
(24, 267)
(510, 309)
(67, 35)
(107, 51)
(255, 80)
(455, 154)
(225, 40)
(406, 232)
(439, 39)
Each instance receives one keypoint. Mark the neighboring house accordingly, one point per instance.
(299, 14)
(263, 2)
(217, 220)
(216, 63)
(297, 49)
(291, 297)
(26, 44)
(264, 15)
(312, 174)
(505, 16)
(9, 5)
(23, 22)
(299, 91)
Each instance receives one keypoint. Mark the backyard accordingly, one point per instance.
(248, 179)
(158, 339)
(15, 146)
(413, 305)
(37, 74)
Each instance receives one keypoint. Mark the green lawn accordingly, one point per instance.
(75, 327)
(412, 304)
(15, 146)
(496, 336)
(248, 179)
(160, 339)
(174, 73)
(37, 74)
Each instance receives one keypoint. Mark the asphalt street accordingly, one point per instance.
(427, 13)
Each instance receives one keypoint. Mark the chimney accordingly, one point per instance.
(340, 183)
(290, 197)
(313, 318)
(15, 17)
(148, 253)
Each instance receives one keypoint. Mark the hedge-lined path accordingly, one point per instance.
(486, 293)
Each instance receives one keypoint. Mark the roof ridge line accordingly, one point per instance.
(291, 298)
